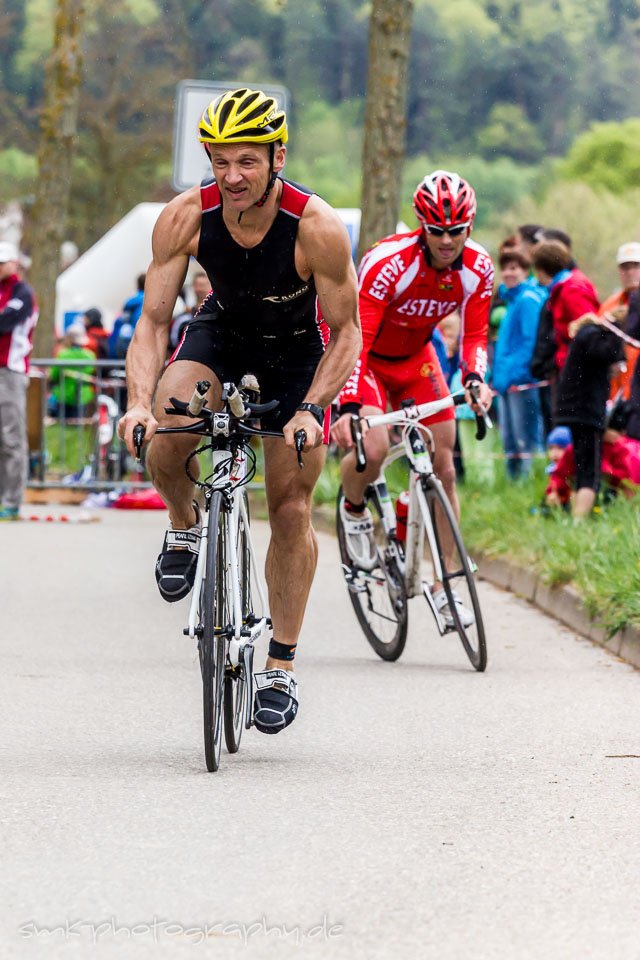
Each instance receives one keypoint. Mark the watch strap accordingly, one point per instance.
(314, 409)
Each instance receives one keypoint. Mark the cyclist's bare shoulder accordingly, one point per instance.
(323, 237)
(177, 230)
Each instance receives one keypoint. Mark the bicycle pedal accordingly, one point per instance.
(354, 586)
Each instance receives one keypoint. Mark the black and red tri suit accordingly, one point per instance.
(261, 316)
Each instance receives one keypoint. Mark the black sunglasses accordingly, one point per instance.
(454, 231)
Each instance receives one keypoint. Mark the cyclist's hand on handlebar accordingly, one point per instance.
(134, 416)
(303, 420)
(480, 398)
(341, 431)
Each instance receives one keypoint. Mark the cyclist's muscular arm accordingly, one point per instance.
(326, 253)
(174, 239)
(475, 324)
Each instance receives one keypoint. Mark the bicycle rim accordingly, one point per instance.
(458, 575)
(212, 643)
(378, 597)
(235, 687)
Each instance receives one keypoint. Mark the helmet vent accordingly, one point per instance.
(224, 114)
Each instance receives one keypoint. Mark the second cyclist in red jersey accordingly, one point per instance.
(408, 283)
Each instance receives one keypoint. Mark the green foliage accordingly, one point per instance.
(494, 86)
(606, 156)
(18, 173)
(598, 557)
(597, 221)
(333, 171)
(509, 133)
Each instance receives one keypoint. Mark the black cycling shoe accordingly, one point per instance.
(275, 705)
(176, 565)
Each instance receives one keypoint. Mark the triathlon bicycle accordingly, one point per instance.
(228, 612)
(433, 554)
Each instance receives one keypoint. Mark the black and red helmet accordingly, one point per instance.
(444, 199)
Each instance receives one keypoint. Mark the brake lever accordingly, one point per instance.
(138, 439)
(356, 436)
(483, 420)
(300, 438)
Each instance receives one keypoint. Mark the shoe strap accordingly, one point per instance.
(359, 526)
(276, 679)
(185, 539)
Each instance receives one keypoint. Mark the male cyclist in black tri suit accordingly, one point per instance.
(283, 306)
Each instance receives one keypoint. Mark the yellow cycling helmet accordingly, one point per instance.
(243, 116)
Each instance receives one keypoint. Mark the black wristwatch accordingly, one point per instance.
(313, 408)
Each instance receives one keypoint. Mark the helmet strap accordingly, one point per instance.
(272, 177)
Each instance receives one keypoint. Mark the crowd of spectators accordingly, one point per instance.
(559, 359)
(73, 387)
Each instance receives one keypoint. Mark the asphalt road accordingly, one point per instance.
(413, 810)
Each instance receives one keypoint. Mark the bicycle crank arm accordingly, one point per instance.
(437, 616)
(246, 657)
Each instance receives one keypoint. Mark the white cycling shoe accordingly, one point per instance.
(442, 606)
(358, 536)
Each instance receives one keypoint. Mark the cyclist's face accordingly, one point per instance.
(445, 249)
(242, 171)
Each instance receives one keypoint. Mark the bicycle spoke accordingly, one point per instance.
(381, 604)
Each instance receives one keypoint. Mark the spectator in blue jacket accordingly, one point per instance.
(125, 324)
(520, 414)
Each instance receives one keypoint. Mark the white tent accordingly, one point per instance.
(105, 276)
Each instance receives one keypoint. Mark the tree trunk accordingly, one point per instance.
(58, 123)
(385, 118)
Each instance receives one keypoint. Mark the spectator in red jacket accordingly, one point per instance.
(571, 293)
(620, 464)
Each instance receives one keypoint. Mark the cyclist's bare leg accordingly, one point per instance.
(167, 454)
(444, 435)
(376, 445)
(293, 550)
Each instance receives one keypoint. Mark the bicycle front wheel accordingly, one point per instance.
(212, 641)
(464, 613)
(378, 596)
(235, 686)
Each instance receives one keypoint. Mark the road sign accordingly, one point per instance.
(190, 162)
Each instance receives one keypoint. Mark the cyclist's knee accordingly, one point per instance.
(376, 445)
(290, 517)
(445, 470)
(167, 453)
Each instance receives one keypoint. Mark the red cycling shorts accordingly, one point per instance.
(389, 382)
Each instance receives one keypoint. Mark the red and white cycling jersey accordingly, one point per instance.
(402, 299)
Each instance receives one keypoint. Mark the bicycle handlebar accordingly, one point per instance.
(483, 421)
(239, 410)
(198, 398)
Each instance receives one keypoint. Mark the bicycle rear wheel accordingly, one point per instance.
(211, 643)
(378, 597)
(457, 574)
(235, 686)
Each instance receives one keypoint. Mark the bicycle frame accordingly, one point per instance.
(231, 471)
(419, 520)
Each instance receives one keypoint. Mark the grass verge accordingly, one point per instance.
(599, 557)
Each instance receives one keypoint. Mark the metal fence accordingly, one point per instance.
(72, 416)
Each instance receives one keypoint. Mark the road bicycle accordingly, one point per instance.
(433, 553)
(228, 612)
